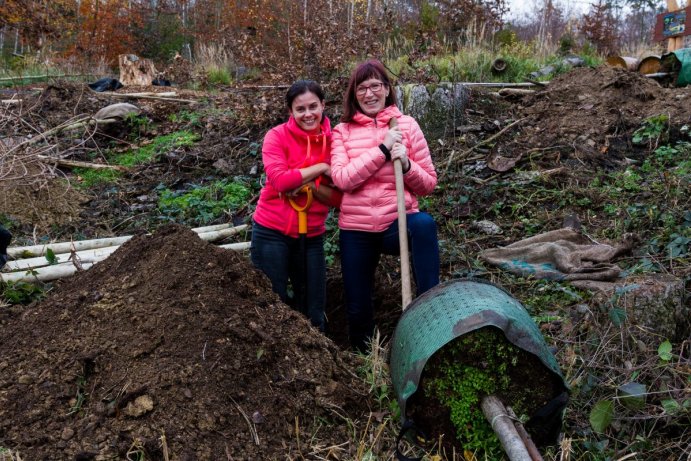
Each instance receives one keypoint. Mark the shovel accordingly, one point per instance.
(302, 245)
(406, 291)
(517, 446)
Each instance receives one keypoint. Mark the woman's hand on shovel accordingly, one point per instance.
(399, 152)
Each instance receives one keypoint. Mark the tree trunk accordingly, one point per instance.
(503, 426)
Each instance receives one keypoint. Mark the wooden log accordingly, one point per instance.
(135, 70)
(499, 65)
(625, 62)
(49, 273)
(209, 233)
(110, 94)
(502, 424)
(166, 94)
(84, 256)
(649, 65)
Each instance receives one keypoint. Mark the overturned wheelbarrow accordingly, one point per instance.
(438, 329)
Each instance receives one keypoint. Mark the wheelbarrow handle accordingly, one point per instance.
(406, 290)
(302, 210)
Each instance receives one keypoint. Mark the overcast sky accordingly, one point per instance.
(521, 8)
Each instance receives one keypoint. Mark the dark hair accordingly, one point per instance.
(302, 87)
(371, 68)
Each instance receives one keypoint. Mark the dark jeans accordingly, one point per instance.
(5, 239)
(279, 257)
(360, 252)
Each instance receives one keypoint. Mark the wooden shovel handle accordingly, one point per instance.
(406, 290)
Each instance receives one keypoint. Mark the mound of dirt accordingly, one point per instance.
(593, 111)
(171, 337)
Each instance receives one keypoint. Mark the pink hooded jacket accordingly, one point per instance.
(286, 149)
(360, 170)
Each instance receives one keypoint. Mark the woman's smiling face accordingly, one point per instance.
(307, 110)
(371, 96)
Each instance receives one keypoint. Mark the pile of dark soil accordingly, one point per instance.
(171, 336)
(592, 112)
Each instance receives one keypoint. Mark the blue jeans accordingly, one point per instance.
(360, 252)
(280, 258)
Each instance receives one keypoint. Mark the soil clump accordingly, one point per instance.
(590, 113)
(171, 337)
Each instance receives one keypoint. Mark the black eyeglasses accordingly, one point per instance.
(375, 88)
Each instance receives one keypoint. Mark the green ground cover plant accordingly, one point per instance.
(133, 157)
(461, 385)
(202, 204)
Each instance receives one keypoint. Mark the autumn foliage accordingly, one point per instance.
(285, 38)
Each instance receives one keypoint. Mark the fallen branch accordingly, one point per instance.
(209, 233)
(167, 94)
(481, 143)
(529, 444)
(110, 94)
(502, 424)
(43, 136)
(78, 164)
(515, 92)
(33, 77)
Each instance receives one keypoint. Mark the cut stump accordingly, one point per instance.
(135, 70)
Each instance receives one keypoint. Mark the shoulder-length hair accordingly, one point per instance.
(371, 68)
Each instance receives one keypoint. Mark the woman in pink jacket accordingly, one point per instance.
(296, 157)
(361, 167)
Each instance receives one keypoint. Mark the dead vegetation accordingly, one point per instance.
(588, 151)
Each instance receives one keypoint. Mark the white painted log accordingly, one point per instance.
(208, 233)
(502, 424)
(236, 246)
(94, 255)
(102, 253)
(49, 273)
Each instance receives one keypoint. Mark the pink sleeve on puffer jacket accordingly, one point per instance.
(421, 179)
(279, 174)
(350, 173)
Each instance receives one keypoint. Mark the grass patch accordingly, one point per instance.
(202, 204)
(474, 64)
(144, 154)
(89, 178)
(219, 76)
(157, 147)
